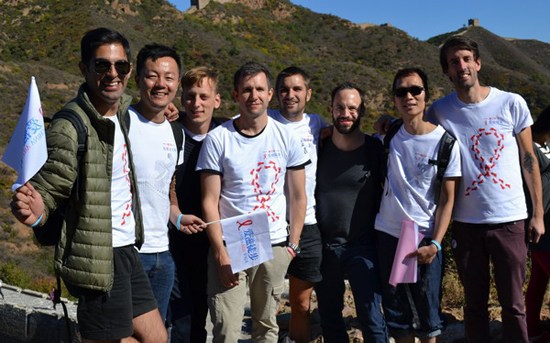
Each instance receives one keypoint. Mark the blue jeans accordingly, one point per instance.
(358, 263)
(160, 270)
(425, 294)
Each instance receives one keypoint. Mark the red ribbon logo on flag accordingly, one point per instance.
(247, 222)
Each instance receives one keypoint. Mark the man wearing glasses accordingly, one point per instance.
(414, 179)
(97, 254)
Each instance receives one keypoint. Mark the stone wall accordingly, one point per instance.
(29, 316)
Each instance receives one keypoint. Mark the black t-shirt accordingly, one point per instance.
(188, 191)
(349, 187)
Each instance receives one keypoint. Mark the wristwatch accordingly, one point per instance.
(294, 247)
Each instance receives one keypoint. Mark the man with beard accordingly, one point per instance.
(493, 130)
(349, 187)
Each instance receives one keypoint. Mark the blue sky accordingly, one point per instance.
(525, 19)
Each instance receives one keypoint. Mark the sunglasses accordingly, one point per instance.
(414, 90)
(102, 66)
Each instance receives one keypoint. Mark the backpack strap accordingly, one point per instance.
(56, 299)
(82, 134)
(127, 120)
(177, 130)
(443, 156)
(79, 126)
(395, 126)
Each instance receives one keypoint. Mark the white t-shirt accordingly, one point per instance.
(124, 224)
(155, 156)
(307, 130)
(199, 137)
(491, 190)
(545, 149)
(409, 190)
(253, 170)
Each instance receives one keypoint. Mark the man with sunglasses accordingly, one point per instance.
(97, 253)
(493, 130)
(414, 148)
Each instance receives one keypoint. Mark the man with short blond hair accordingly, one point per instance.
(188, 303)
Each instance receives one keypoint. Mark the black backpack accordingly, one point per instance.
(177, 130)
(50, 233)
(443, 154)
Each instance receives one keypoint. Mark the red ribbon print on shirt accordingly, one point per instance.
(126, 170)
(263, 199)
(486, 165)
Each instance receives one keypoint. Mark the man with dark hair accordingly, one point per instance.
(188, 302)
(293, 93)
(349, 186)
(245, 164)
(493, 130)
(97, 254)
(411, 188)
(154, 141)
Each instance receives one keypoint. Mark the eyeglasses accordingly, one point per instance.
(102, 66)
(414, 90)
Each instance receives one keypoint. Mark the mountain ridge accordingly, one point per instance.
(42, 39)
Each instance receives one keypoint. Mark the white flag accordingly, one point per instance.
(247, 239)
(27, 151)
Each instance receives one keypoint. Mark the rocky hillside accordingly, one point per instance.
(41, 38)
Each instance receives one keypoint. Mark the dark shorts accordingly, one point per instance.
(307, 265)
(108, 316)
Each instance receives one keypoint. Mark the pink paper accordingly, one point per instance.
(404, 268)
